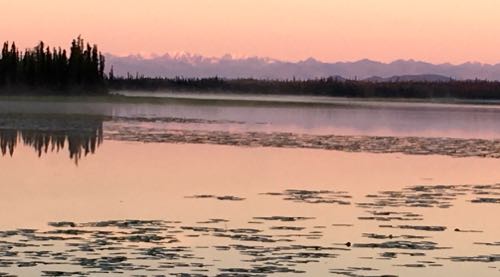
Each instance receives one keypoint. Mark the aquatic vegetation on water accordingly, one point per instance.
(263, 245)
(358, 272)
(223, 198)
(314, 197)
(479, 258)
(414, 245)
(438, 196)
(373, 144)
(418, 228)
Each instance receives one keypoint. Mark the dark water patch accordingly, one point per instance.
(391, 216)
(304, 235)
(222, 198)
(253, 238)
(440, 196)
(203, 229)
(290, 254)
(357, 272)
(342, 225)
(63, 273)
(62, 224)
(105, 263)
(416, 245)
(486, 194)
(416, 227)
(42, 237)
(287, 228)
(429, 263)
(73, 232)
(283, 218)
(480, 258)
(314, 196)
(259, 270)
(222, 248)
(187, 275)
(467, 231)
(411, 265)
(387, 218)
(394, 255)
(125, 224)
(213, 221)
(482, 189)
(378, 236)
(244, 231)
(390, 236)
(486, 200)
(497, 243)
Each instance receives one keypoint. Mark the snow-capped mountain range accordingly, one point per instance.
(188, 65)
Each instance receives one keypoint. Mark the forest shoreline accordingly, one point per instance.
(47, 71)
(480, 92)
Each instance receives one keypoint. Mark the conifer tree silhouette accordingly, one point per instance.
(52, 69)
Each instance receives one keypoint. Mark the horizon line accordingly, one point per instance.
(234, 57)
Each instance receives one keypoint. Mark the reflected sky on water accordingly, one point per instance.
(221, 209)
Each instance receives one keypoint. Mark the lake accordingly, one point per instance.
(262, 186)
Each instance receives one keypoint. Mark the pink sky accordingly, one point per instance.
(330, 30)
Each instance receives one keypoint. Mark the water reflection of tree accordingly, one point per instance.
(80, 135)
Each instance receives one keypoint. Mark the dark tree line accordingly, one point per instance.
(47, 70)
(80, 70)
(471, 89)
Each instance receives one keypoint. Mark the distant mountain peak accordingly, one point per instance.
(310, 60)
(229, 66)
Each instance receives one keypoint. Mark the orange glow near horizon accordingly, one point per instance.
(453, 31)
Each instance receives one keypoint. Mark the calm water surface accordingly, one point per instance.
(152, 209)
(319, 117)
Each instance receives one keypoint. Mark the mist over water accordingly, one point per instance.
(318, 116)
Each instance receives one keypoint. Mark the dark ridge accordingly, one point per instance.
(332, 86)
